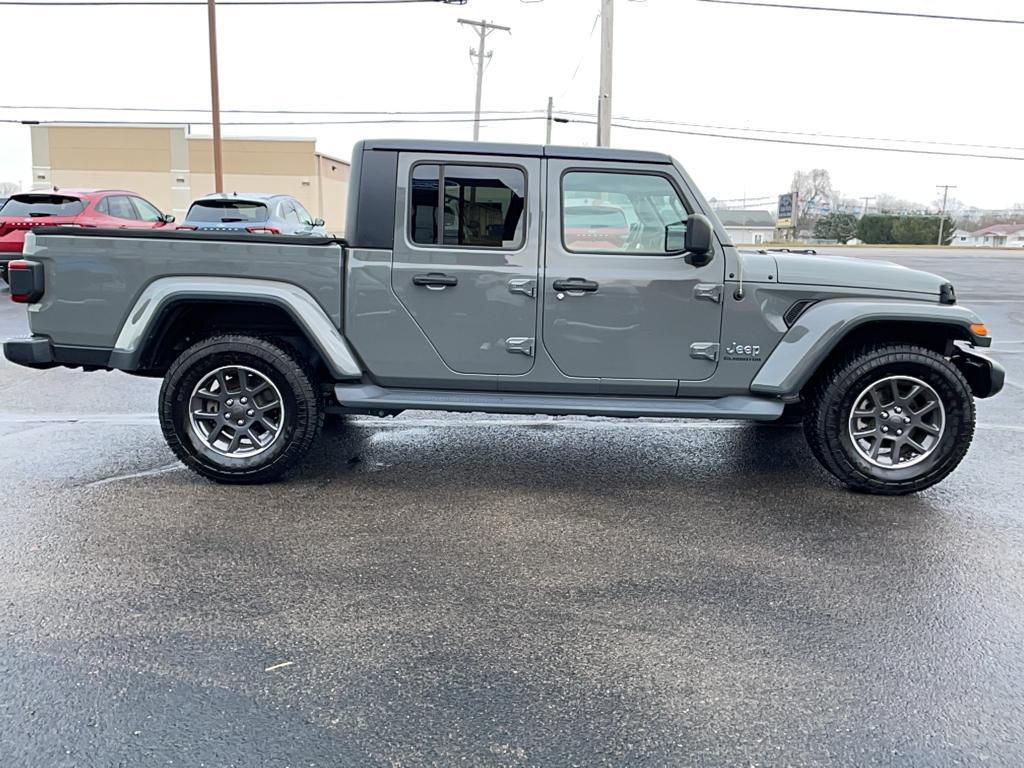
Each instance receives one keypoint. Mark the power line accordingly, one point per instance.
(157, 3)
(627, 126)
(865, 11)
(523, 112)
(796, 142)
(810, 134)
(383, 121)
(290, 111)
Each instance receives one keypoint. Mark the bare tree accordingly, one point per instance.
(892, 204)
(815, 196)
(8, 188)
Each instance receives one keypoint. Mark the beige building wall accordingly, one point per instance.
(150, 160)
(332, 194)
(171, 169)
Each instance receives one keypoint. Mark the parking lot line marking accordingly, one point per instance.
(278, 666)
(132, 475)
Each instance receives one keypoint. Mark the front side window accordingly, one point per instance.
(120, 207)
(467, 206)
(304, 217)
(288, 213)
(146, 211)
(620, 212)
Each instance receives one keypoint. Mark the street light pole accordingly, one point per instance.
(218, 169)
(604, 97)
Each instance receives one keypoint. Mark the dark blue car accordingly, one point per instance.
(259, 213)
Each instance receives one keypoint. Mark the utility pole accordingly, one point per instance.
(551, 109)
(483, 29)
(604, 95)
(218, 168)
(866, 201)
(942, 216)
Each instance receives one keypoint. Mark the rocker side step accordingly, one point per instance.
(369, 397)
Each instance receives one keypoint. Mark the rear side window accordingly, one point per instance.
(226, 211)
(42, 205)
(468, 206)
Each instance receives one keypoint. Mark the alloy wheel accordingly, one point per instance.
(897, 422)
(236, 411)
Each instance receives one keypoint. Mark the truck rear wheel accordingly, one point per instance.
(240, 409)
(891, 419)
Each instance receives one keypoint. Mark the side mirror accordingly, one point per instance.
(675, 237)
(167, 218)
(318, 222)
(697, 240)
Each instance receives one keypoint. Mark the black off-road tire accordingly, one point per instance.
(302, 404)
(830, 403)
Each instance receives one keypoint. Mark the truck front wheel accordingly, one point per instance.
(891, 419)
(240, 409)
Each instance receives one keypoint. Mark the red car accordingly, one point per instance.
(108, 208)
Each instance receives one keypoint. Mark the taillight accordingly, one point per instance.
(263, 230)
(26, 280)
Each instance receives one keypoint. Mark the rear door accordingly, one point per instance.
(466, 257)
(618, 305)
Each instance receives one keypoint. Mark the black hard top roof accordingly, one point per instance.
(521, 150)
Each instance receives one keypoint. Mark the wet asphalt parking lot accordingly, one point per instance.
(472, 590)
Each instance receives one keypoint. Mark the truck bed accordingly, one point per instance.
(98, 275)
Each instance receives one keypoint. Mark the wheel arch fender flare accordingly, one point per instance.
(819, 330)
(160, 295)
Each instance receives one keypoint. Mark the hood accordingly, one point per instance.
(850, 272)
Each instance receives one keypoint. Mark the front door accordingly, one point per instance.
(618, 305)
(466, 262)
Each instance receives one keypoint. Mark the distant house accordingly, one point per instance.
(999, 236)
(748, 227)
(962, 237)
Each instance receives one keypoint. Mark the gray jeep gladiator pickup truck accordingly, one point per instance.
(511, 279)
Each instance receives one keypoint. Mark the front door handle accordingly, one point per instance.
(435, 280)
(575, 284)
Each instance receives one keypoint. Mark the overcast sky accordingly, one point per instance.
(677, 60)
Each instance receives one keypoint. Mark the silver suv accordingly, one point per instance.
(253, 212)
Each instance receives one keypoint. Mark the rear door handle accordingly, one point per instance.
(435, 280)
(575, 284)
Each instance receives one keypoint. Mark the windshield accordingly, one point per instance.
(226, 211)
(42, 205)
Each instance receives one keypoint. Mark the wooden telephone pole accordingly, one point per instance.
(483, 29)
(218, 167)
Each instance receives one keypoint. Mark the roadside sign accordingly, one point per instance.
(785, 218)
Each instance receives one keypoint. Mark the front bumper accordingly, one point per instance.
(984, 374)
